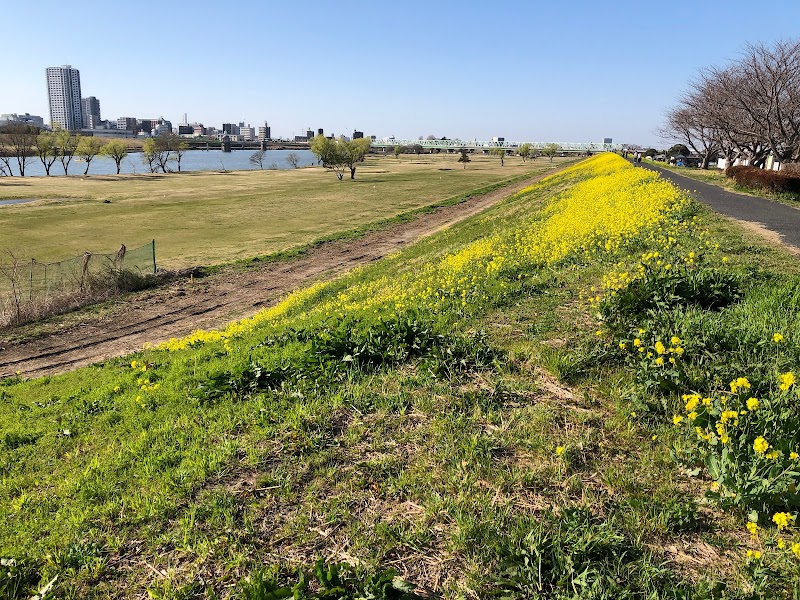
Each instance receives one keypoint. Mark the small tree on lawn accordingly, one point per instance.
(150, 154)
(67, 143)
(464, 158)
(398, 150)
(328, 152)
(46, 149)
(116, 150)
(88, 148)
(501, 152)
(550, 150)
(525, 151)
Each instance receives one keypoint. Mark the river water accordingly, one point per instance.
(193, 160)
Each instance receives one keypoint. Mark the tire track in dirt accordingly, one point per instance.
(187, 305)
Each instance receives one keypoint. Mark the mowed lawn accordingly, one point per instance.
(205, 218)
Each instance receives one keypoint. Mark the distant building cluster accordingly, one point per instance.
(70, 110)
(26, 119)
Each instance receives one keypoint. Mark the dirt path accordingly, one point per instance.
(183, 307)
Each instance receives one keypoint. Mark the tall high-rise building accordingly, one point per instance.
(64, 95)
(91, 112)
(264, 132)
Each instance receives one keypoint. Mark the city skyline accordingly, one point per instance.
(466, 70)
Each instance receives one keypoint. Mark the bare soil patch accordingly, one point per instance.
(190, 304)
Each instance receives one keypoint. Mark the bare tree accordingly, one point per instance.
(748, 109)
(257, 158)
(689, 127)
(171, 143)
(293, 159)
(5, 158)
(21, 139)
(13, 273)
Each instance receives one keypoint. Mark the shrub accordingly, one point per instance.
(776, 182)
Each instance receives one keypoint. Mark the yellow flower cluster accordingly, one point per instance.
(244, 326)
(760, 445)
(609, 204)
(787, 380)
(740, 383)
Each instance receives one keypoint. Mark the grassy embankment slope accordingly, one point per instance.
(210, 218)
(400, 417)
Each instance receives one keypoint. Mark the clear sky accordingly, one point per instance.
(561, 71)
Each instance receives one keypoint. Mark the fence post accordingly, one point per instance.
(30, 284)
(154, 256)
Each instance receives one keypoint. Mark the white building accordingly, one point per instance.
(26, 119)
(264, 132)
(248, 133)
(64, 96)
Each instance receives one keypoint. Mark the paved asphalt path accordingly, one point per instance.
(780, 218)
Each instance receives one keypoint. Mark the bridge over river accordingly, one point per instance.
(456, 145)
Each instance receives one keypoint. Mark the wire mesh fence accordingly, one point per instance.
(40, 284)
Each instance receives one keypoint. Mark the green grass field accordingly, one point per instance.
(456, 412)
(211, 218)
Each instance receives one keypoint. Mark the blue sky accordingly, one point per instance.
(525, 70)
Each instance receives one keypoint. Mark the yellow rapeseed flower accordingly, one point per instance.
(660, 348)
(675, 340)
(752, 403)
(760, 445)
(794, 455)
(787, 380)
(796, 549)
(677, 419)
(777, 338)
(740, 384)
(559, 450)
(781, 519)
(754, 554)
(752, 528)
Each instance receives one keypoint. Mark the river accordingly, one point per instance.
(193, 160)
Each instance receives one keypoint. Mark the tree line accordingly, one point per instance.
(748, 109)
(22, 144)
